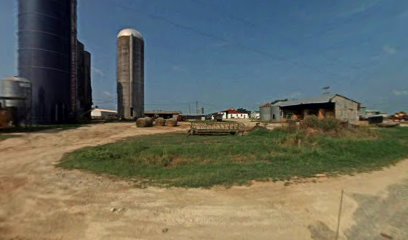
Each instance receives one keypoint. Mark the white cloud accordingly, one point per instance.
(360, 7)
(108, 94)
(98, 72)
(220, 44)
(178, 68)
(389, 50)
(400, 92)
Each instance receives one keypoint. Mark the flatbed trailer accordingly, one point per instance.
(216, 128)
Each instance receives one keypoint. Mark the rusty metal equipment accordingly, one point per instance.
(5, 119)
(216, 128)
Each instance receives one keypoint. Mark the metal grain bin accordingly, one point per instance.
(15, 93)
(266, 112)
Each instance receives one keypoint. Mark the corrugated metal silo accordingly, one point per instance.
(45, 33)
(84, 89)
(266, 112)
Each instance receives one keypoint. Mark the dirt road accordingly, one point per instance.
(40, 201)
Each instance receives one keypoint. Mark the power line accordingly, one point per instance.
(225, 15)
(286, 40)
(275, 57)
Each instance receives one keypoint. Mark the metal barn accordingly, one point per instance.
(337, 106)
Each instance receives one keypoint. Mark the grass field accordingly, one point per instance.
(204, 161)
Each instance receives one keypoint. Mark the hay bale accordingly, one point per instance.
(149, 121)
(160, 122)
(171, 122)
(144, 122)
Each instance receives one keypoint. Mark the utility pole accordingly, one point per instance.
(197, 112)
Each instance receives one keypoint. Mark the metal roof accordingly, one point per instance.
(130, 32)
(103, 110)
(162, 112)
(314, 100)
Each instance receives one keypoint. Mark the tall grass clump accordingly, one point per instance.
(325, 124)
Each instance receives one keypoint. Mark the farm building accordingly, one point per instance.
(334, 105)
(234, 114)
(103, 114)
(255, 115)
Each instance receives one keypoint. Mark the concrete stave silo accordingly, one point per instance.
(130, 85)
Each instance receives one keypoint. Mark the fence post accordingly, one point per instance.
(339, 215)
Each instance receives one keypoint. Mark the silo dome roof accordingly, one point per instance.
(130, 32)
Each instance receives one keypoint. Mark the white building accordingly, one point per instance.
(104, 114)
(234, 114)
(255, 115)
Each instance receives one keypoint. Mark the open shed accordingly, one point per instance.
(335, 105)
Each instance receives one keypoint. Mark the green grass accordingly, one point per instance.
(204, 161)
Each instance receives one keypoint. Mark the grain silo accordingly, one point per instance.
(84, 88)
(130, 84)
(45, 34)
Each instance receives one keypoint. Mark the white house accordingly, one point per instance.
(234, 114)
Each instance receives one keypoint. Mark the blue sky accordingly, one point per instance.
(241, 53)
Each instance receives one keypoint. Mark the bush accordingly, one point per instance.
(330, 124)
(310, 122)
(326, 124)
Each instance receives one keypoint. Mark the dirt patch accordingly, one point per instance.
(11, 184)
